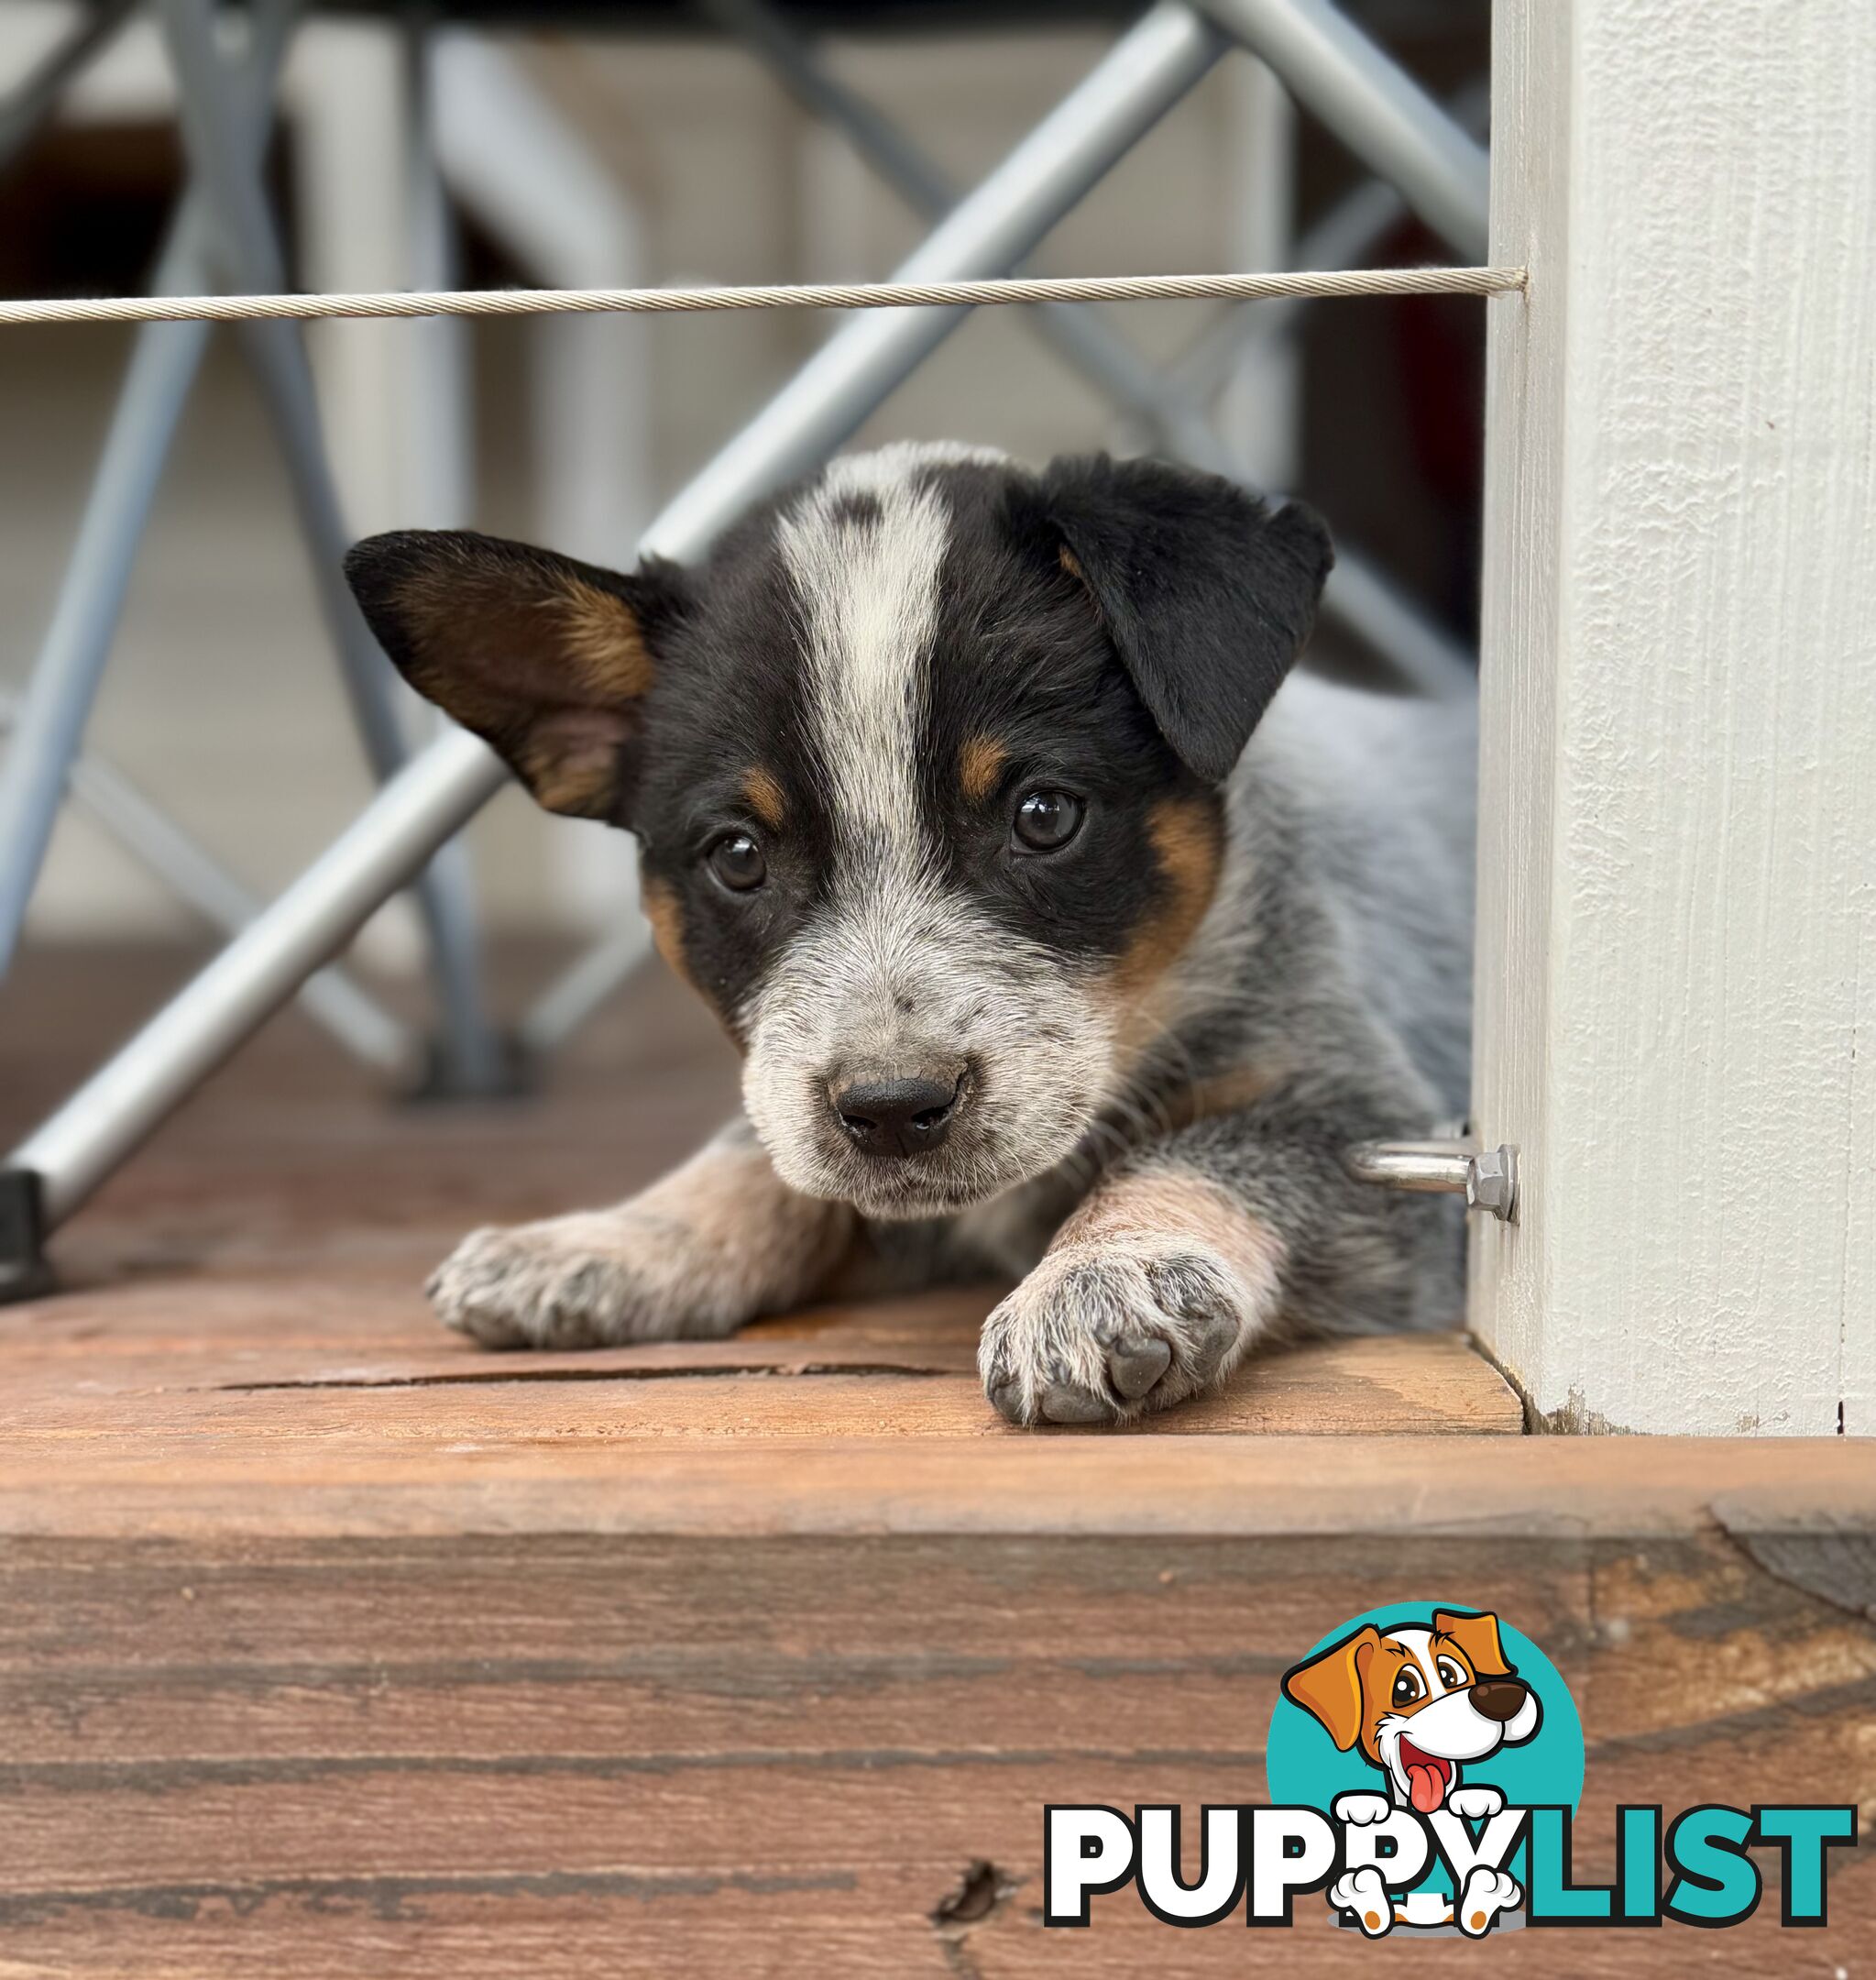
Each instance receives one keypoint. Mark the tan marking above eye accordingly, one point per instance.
(980, 764)
(764, 797)
(1072, 564)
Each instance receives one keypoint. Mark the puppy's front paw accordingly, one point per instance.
(574, 1282)
(1362, 1809)
(1475, 1803)
(1101, 1332)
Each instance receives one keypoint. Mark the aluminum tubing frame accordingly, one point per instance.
(49, 719)
(58, 1166)
(194, 873)
(468, 1057)
(1377, 109)
(51, 710)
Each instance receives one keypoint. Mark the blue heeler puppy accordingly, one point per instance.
(1056, 940)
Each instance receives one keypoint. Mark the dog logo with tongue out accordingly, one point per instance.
(1424, 1703)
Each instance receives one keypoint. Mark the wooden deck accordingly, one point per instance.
(330, 1645)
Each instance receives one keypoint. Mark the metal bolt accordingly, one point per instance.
(1487, 1178)
(1491, 1182)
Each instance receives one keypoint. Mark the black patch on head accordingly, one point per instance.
(1020, 658)
(731, 694)
(858, 506)
(1207, 594)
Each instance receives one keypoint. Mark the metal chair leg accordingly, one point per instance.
(470, 1058)
(1332, 66)
(64, 680)
(155, 841)
(64, 683)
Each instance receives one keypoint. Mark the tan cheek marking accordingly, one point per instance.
(1188, 840)
(660, 910)
(658, 904)
(604, 643)
(764, 797)
(1157, 1206)
(980, 764)
(1072, 564)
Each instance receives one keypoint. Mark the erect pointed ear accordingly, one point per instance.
(1328, 1686)
(1477, 1635)
(1207, 593)
(549, 661)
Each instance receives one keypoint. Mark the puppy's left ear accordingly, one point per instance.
(548, 660)
(1207, 593)
(1477, 1635)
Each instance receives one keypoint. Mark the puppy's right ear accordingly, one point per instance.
(549, 661)
(1329, 1687)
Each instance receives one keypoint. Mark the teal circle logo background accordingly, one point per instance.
(1304, 1768)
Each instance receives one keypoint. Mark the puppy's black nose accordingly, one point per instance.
(1498, 1699)
(892, 1117)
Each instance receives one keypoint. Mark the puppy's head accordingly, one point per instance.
(1417, 1701)
(924, 764)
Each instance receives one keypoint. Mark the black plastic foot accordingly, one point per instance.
(25, 1272)
(443, 1083)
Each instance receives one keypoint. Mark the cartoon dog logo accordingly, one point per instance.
(1419, 1703)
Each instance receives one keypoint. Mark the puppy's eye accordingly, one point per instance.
(1408, 1688)
(1450, 1675)
(738, 862)
(1046, 820)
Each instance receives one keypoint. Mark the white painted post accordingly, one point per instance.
(1677, 928)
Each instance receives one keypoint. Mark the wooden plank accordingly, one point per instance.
(811, 1741)
(832, 1381)
(1676, 954)
(1046, 1481)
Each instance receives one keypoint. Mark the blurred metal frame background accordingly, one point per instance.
(1425, 158)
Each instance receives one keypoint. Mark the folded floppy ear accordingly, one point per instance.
(1207, 593)
(549, 661)
(1477, 1635)
(1328, 1686)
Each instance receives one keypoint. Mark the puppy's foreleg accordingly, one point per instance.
(1153, 1289)
(710, 1246)
(1183, 1257)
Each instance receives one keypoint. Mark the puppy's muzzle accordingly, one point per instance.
(893, 1118)
(1500, 1698)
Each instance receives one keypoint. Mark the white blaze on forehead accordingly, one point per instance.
(868, 584)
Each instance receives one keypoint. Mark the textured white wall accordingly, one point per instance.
(1677, 966)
